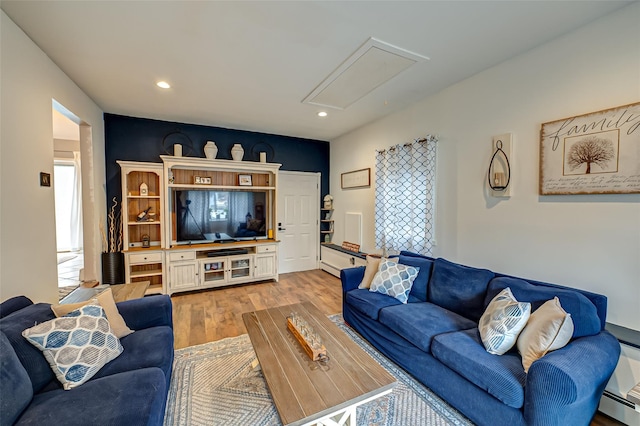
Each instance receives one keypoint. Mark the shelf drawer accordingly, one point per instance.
(268, 248)
(184, 255)
(140, 258)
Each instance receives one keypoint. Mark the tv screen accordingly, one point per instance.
(217, 216)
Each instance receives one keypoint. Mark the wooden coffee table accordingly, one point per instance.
(307, 392)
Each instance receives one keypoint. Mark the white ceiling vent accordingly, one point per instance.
(373, 64)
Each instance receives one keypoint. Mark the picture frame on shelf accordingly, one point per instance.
(244, 180)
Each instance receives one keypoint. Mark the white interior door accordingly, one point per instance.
(298, 221)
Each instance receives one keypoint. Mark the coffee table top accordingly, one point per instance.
(304, 390)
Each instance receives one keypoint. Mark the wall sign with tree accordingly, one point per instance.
(596, 153)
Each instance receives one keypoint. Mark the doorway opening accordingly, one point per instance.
(67, 185)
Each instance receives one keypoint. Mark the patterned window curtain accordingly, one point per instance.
(405, 196)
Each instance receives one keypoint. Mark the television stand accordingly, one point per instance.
(220, 264)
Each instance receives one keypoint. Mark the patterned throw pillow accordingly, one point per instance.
(76, 345)
(394, 279)
(502, 322)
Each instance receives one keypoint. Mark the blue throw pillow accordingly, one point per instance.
(76, 345)
(459, 288)
(394, 279)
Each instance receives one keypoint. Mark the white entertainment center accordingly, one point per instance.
(153, 251)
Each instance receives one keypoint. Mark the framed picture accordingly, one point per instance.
(244, 180)
(356, 179)
(595, 153)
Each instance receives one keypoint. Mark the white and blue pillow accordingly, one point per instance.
(394, 279)
(502, 322)
(76, 345)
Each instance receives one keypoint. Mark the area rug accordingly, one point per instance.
(65, 291)
(214, 384)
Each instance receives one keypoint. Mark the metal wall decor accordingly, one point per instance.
(499, 178)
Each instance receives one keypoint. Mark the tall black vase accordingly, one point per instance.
(113, 268)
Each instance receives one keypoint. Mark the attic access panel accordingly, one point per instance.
(373, 64)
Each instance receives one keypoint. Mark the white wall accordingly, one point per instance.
(29, 81)
(591, 241)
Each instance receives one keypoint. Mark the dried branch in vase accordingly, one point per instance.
(112, 239)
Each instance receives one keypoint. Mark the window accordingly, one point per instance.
(405, 196)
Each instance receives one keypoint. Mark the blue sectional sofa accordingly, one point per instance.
(435, 338)
(129, 390)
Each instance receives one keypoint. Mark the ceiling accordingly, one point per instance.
(248, 65)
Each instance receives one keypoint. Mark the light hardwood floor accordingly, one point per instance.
(207, 316)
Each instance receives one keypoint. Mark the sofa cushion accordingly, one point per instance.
(31, 358)
(14, 382)
(583, 313)
(500, 375)
(459, 288)
(369, 302)
(502, 322)
(131, 398)
(394, 280)
(549, 328)
(150, 347)
(420, 322)
(419, 289)
(76, 345)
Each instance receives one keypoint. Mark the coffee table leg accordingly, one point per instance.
(345, 416)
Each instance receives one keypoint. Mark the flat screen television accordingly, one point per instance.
(208, 215)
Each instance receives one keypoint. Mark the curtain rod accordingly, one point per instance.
(434, 137)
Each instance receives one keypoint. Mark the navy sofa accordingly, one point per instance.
(130, 390)
(435, 338)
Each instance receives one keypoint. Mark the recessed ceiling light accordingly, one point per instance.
(322, 114)
(163, 84)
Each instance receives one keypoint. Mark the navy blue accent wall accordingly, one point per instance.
(143, 139)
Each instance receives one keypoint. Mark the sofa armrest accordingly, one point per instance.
(351, 278)
(565, 386)
(150, 311)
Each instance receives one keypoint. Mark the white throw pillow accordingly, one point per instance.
(373, 263)
(394, 279)
(76, 345)
(549, 328)
(502, 322)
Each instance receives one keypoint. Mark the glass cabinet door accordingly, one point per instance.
(241, 267)
(213, 270)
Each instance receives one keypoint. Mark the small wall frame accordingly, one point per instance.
(356, 179)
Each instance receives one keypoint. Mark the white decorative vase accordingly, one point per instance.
(237, 152)
(210, 150)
